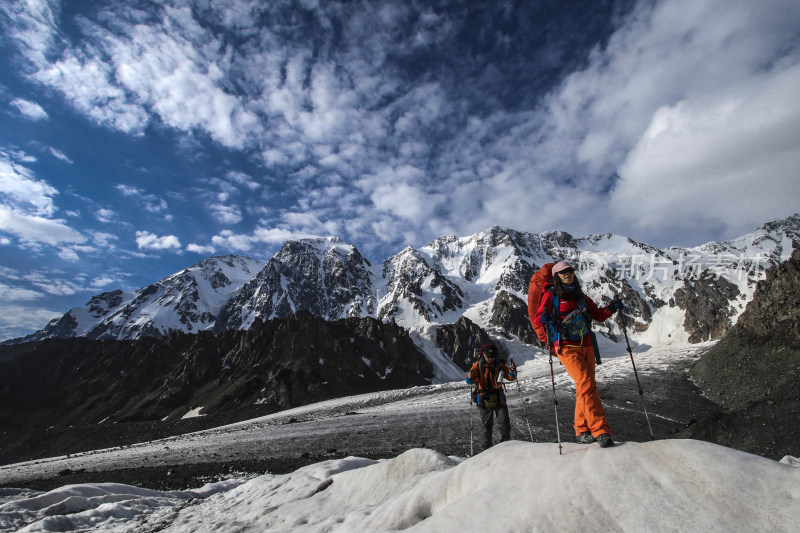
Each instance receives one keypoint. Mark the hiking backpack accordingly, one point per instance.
(539, 280)
(578, 323)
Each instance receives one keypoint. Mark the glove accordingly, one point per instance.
(544, 318)
(513, 367)
(614, 305)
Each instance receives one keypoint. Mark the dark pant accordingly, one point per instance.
(488, 421)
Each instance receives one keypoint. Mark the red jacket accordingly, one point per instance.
(565, 307)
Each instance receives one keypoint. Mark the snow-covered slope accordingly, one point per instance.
(668, 485)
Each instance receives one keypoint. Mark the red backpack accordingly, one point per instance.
(539, 280)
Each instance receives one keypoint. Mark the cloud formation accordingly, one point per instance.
(31, 110)
(149, 241)
(27, 206)
(422, 147)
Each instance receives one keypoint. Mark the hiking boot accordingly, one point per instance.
(584, 438)
(604, 440)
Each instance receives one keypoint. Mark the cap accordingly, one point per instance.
(563, 265)
(489, 350)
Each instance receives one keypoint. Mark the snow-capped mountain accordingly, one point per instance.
(187, 301)
(326, 277)
(674, 295)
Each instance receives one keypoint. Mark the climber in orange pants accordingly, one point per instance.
(567, 313)
(589, 413)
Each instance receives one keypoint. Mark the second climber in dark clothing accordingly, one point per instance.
(490, 397)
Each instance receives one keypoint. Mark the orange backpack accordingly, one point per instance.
(539, 280)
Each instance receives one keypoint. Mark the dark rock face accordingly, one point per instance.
(462, 340)
(272, 366)
(100, 304)
(707, 302)
(510, 314)
(754, 371)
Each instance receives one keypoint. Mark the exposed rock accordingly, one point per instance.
(272, 366)
(325, 277)
(754, 371)
(707, 303)
(461, 341)
(510, 314)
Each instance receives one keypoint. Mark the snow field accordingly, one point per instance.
(670, 485)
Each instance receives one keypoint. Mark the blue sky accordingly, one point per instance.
(137, 138)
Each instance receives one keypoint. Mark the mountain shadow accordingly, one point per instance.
(272, 366)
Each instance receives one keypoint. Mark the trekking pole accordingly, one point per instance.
(551, 348)
(522, 399)
(635, 373)
(471, 401)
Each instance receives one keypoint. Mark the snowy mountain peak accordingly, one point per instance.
(327, 277)
(673, 295)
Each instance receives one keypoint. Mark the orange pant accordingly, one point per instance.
(589, 413)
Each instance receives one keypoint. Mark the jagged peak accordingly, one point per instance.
(329, 244)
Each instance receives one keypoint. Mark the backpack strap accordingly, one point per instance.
(555, 333)
(487, 378)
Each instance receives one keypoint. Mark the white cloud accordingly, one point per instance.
(150, 202)
(226, 214)
(245, 180)
(269, 235)
(88, 84)
(35, 26)
(101, 282)
(28, 205)
(154, 204)
(149, 241)
(228, 240)
(685, 92)
(694, 105)
(51, 283)
(11, 294)
(68, 254)
(406, 201)
(20, 189)
(279, 235)
(31, 110)
(704, 162)
(104, 240)
(107, 215)
(58, 154)
(21, 320)
(34, 229)
(199, 249)
(128, 190)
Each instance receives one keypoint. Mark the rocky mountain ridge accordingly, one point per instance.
(754, 371)
(272, 366)
(675, 295)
